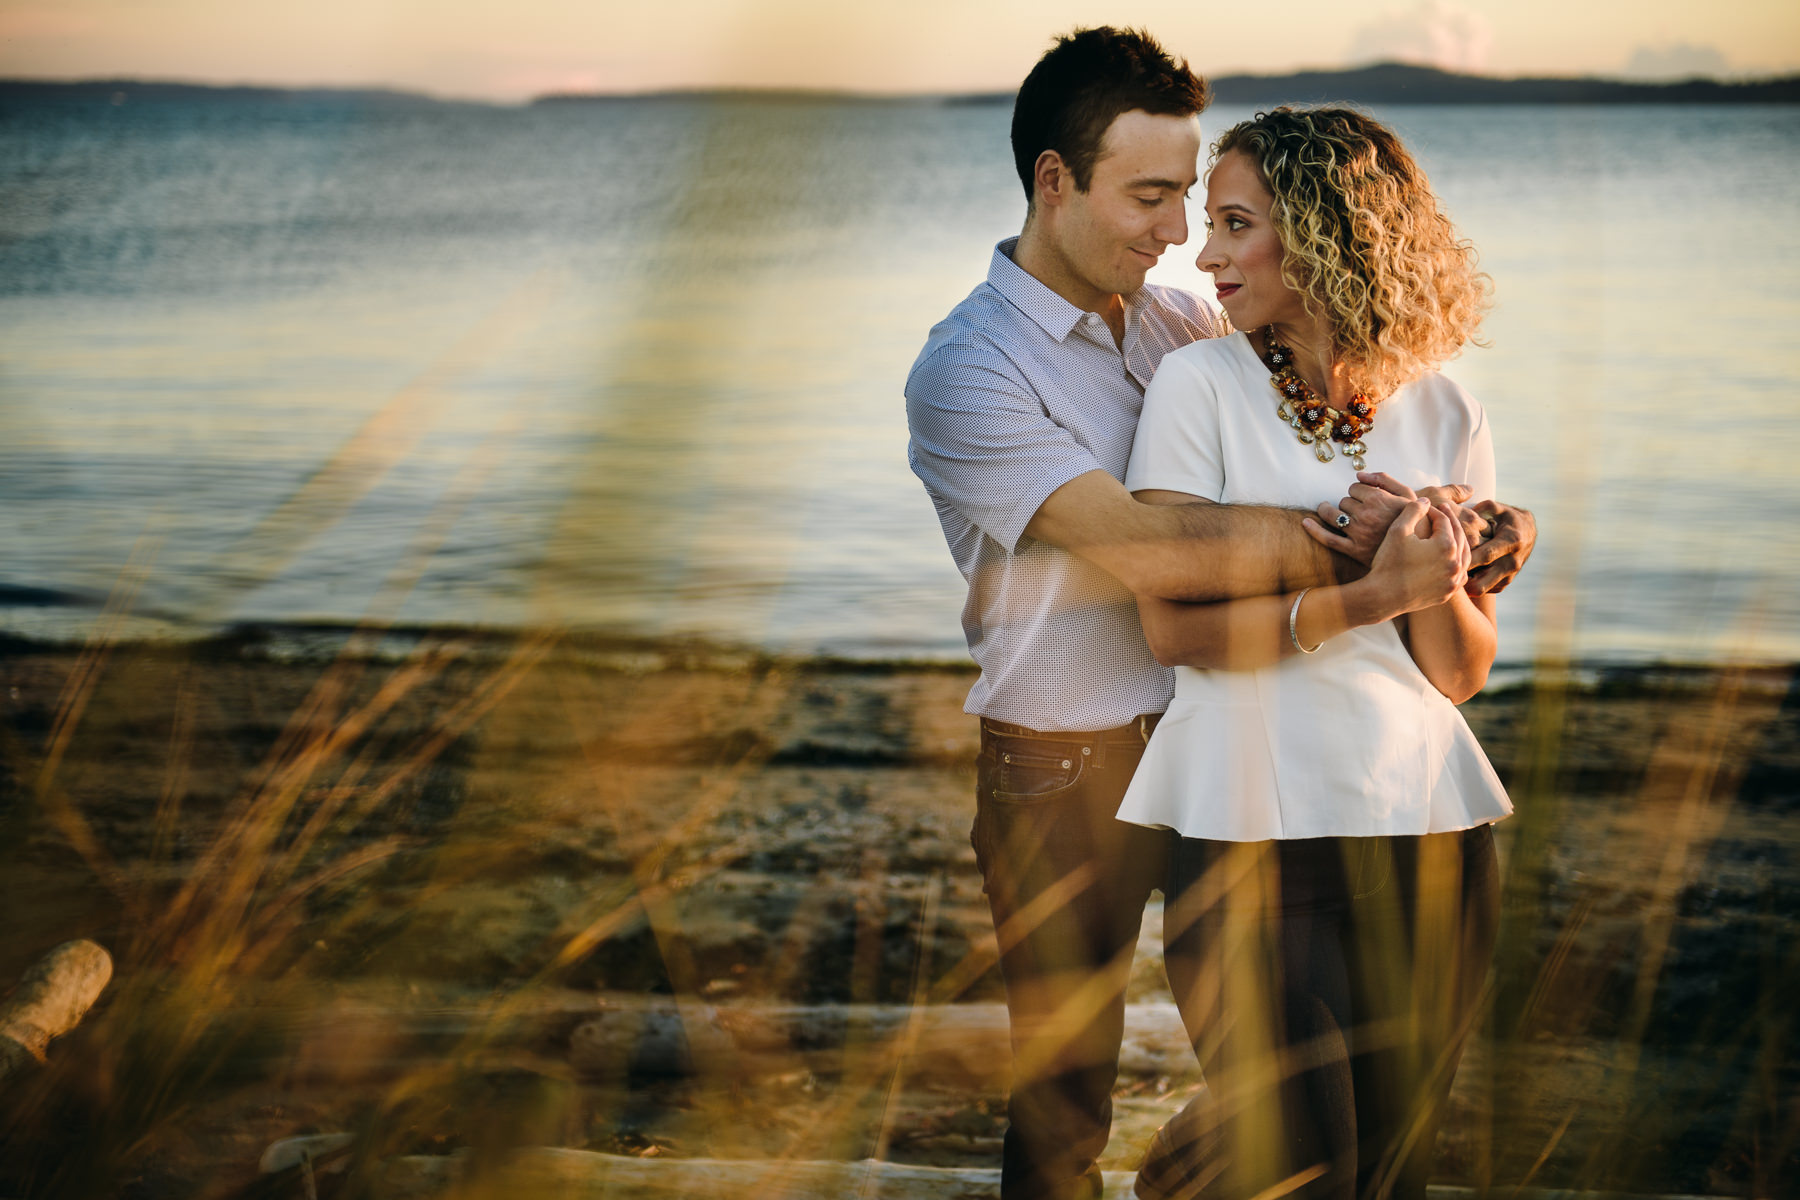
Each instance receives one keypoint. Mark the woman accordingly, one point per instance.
(1331, 906)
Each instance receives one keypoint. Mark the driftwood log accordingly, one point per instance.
(50, 1000)
(611, 1035)
(585, 1175)
(307, 1148)
(964, 1044)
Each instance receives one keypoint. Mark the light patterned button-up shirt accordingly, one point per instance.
(1017, 392)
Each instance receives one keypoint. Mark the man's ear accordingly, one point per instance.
(1052, 179)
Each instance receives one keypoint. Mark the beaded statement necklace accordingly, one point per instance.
(1315, 422)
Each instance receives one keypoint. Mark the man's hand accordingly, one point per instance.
(1511, 537)
(1373, 503)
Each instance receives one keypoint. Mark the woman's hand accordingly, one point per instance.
(1422, 562)
(1375, 499)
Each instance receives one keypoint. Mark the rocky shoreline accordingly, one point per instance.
(495, 893)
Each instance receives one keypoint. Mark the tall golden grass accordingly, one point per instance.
(244, 865)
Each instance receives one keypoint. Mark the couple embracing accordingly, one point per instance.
(1225, 591)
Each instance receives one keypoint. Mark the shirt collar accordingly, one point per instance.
(1053, 314)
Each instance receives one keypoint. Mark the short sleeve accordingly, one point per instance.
(1475, 465)
(984, 443)
(1177, 447)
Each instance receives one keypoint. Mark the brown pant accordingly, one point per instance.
(1328, 986)
(1067, 883)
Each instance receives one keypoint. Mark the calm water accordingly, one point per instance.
(635, 367)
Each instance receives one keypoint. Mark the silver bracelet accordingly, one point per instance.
(1294, 622)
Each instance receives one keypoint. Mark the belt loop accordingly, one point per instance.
(1143, 724)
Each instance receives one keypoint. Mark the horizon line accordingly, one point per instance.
(816, 92)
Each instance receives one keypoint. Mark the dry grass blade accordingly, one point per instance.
(72, 703)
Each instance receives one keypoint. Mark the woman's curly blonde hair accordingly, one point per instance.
(1366, 242)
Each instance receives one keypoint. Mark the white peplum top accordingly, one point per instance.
(1352, 741)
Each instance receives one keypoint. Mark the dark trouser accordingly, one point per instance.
(1067, 882)
(1329, 986)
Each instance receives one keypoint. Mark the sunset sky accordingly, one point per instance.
(489, 50)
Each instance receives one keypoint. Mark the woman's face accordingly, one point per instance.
(1243, 249)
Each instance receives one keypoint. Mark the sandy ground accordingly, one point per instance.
(395, 896)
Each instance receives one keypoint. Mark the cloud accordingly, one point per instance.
(1436, 34)
(1677, 60)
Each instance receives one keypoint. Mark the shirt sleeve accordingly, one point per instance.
(1177, 447)
(984, 443)
(1475, 466)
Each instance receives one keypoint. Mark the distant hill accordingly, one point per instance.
(1400, 83)
(764, 96)
(1384, 83)
(137, 91)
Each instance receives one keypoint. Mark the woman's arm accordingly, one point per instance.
(1242, 635)
(1420, 564)
(1454, 644)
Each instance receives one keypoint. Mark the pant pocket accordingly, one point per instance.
(1034, 777)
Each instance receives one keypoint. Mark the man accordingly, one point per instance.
(1022, 407)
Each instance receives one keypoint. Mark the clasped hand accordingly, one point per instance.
(1423, 561)
(1499, 537)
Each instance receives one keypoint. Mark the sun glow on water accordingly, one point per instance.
(670, 337)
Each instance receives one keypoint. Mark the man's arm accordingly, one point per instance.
(1184, 549)
(983, 443)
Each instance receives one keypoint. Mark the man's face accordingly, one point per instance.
(1134, 207)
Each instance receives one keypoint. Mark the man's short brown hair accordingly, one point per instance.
(1083, 83)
